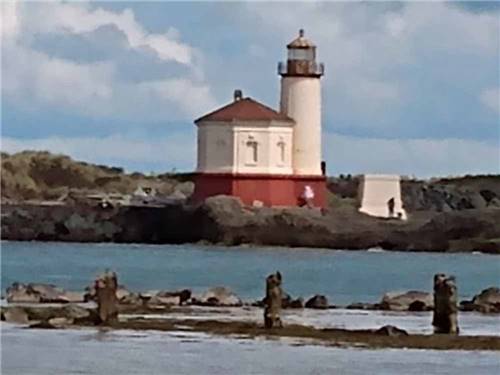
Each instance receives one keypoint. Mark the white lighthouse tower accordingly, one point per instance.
(301, 101)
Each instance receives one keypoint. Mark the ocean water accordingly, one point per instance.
(343, 276)
(42, 352)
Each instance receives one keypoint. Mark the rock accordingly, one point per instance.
(73, 297)
(186, 188)
(389, 330)
(75, 312)
(164, 301)
(122, 292)
(417, 306)
(397, 301)
(296, 303)
(41, 293)
(490, 296)
(317, 302)
(287, 302)
(19, 293)
(488, 301)
(60, 322)
(183, 295)
(15, 314)
(131, 299)
(219, 296)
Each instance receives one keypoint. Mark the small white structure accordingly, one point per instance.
(380, 195)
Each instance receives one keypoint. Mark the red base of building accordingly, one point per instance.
(271, 190)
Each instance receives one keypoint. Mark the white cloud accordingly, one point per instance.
(10, 21)
(177, 150)
(374, 54)
(491, 99)
(36, 80)
(421, 157)
(79, 18)
(28, 74)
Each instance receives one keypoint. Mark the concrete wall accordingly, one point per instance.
(375, 192)
(301, 100)
(245, 147)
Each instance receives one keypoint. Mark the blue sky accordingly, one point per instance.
(410, 88)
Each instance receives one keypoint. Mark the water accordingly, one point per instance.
(343, 276)
(33, 352)
(470, 323)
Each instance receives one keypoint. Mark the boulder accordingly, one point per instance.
(389, 330)
(131, 299)
(164, 301)
(183, 295)
(401, 301)
(490, 296)
(287, 302)
(44, 293)
(73, 297)
(75, 312)
(488, 301)
(317, 302)
(19, 293)
(15, 314)
(60, 322)
(218, 296)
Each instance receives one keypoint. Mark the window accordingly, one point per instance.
(252, 151)
(281, 145)
(301, 54)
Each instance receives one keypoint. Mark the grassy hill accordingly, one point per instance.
(33, 175)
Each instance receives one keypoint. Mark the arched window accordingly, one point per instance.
(252, 152)
(282, 147)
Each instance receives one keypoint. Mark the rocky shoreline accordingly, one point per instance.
(108, 305)
(38, 295)
(225, 221)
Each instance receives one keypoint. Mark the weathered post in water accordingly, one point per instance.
(445, 304)
(272, 301)
(107, 302)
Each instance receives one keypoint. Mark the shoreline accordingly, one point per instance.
(224, 221)
(213, 326)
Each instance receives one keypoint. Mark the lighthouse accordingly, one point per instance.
(301, 100)
(263, 156)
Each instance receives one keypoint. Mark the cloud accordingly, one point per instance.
(491, 99)
(35, 80)
(81, 18)
(406, 68)
(420, 157)
(177, 150)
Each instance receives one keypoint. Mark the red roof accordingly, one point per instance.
(245, 109)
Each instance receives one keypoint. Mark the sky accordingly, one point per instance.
(410, 87)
